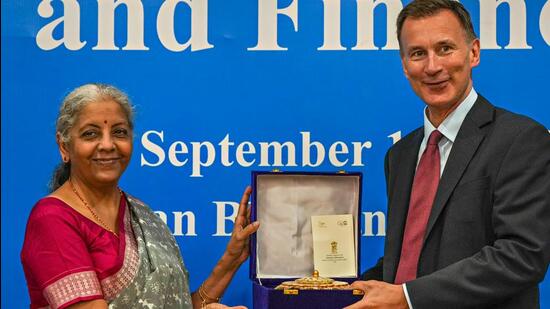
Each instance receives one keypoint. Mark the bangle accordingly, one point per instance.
(205, 299)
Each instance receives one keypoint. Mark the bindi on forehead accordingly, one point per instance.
(105, 121)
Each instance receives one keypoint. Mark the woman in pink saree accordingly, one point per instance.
(89, 244)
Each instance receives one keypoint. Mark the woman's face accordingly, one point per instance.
(100, 146)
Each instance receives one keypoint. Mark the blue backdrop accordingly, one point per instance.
(226, 79)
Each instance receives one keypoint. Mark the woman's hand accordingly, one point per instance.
(235, 254)
(222, 306)
(237, 248)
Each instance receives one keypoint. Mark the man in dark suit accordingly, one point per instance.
(469, 192)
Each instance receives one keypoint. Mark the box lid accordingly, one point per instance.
(284, 202)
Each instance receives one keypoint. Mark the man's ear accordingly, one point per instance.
(404, 67)
(63, 151)
(475, 55)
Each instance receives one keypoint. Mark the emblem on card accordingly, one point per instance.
(334, 247)
(342, 222)
(322, 224)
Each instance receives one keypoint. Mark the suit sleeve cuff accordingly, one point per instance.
(407, 296)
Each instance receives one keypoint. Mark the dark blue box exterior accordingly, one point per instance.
(265, 297)
(264, 293)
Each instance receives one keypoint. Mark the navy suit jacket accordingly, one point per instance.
(487, 243)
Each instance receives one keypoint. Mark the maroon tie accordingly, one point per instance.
(423, 191)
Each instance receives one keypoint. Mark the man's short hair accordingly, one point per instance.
(426, 8)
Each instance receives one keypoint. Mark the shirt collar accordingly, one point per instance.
(450, 126)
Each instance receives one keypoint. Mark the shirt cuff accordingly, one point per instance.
(407, 296)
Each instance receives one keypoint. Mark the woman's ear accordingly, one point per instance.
(63, 151)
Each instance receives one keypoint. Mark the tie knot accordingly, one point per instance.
(434, 138)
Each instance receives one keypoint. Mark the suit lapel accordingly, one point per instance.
(404, 169)
(467, 142)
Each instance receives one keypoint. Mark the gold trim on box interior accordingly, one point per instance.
(314, 282)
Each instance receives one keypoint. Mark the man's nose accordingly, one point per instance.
(433, 65)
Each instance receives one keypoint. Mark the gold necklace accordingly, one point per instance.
(94, 214)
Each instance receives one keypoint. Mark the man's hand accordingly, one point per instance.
(379, 294)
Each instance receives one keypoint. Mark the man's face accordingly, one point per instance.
(438, 59)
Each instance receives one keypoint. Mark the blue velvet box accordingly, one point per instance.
(282, 249)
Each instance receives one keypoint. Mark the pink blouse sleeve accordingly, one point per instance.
(55, 257)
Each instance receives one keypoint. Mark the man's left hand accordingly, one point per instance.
(379, 294)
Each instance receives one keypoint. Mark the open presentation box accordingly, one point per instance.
(282, 249)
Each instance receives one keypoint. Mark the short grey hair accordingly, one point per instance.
(75, 101)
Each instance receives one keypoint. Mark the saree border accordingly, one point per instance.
(114, 284)
(71, 287)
